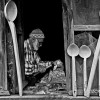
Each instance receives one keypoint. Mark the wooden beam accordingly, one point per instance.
(86, 27)
(67, 59)
(3, 62)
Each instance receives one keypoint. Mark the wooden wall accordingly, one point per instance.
(86, 12)
(79, 12)
(67, 17)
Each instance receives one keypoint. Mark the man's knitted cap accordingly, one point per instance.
(37, 33)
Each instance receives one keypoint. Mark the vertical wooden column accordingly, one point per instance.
(3, 56)
(67, 19)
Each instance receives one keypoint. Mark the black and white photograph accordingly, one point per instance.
(49, 49)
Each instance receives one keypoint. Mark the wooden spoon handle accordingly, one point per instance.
(18, 67)
(85, 75)
(74, 86)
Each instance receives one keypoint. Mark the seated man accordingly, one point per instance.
(32, 59)
(37, 70)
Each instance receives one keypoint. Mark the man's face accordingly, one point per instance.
(37, 43)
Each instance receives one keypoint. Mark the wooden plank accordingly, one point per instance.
(72, 32)
(67, 64)
(66, 35)
(5, 62)
(99, 75)
(47, 97)
(86, 27)
(3, 66)
(86, 12)
(93, 68)
(1, 49)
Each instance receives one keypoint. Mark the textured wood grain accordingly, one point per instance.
(86, 12)
(3, 63)
(86, 27)
(47, 97)
(66, 28)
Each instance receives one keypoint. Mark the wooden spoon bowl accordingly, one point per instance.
(10, 10)
(84, 51)
(73, 50)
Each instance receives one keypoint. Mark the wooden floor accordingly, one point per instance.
(46, 97)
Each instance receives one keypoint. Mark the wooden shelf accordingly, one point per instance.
(86, 27)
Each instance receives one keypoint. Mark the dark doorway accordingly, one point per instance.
(46, 15)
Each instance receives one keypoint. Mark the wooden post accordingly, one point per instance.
(3, 56)
(66, 27)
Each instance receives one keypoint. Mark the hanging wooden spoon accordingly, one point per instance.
(85, 52)
(73, 51)
(10, 12)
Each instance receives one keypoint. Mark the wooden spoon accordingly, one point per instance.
(73, 51)
(85, 52)
(10, 12)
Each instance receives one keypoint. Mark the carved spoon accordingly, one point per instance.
(85, 52)
(73, 51)
(10, 12)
